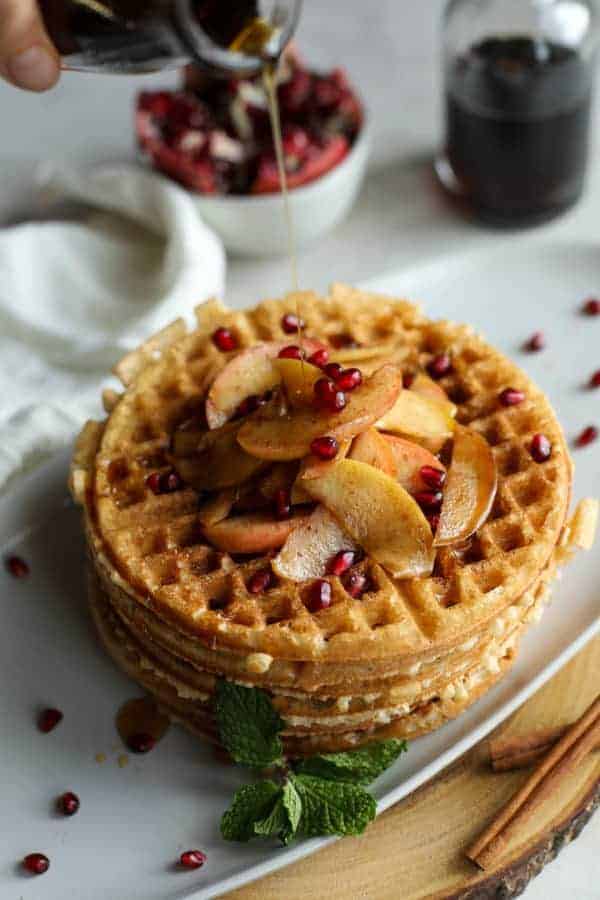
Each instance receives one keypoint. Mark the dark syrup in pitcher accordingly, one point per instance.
(518, 113)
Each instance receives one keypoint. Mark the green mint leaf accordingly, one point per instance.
(248, 724)
(275, 822)
(284, 817)
(251, 804)
(332, 807)
(357, 766)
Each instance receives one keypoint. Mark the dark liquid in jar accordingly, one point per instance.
(135, 35)
(518, 114)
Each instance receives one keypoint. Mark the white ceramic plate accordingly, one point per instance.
(134, 821)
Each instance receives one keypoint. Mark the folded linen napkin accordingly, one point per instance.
(75, 295)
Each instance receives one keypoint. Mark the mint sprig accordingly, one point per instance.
(323, 795)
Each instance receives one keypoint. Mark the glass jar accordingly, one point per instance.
(225, 36)
(518, 87)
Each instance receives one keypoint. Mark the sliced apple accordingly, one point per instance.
(298, 378)
(253, 533)
(186, 440)
(372, 448)
(419, 418)
(409, 459)
(427, 387)
(310, 546)
(219, 461)
(217, 507)
(279, 478)
(379, 515)
(290, 436)
(250, 372)
(469, 490)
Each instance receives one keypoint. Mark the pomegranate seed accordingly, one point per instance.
(349, 379)
(541, 448)
(224, 340)
(434, 522)
(291, 352)
(439, 366)
(140, 742)
(587, 436)
(192, 859)
(591, 307)
(36, 863)
(328, 396)
(170, 482)
(291, 323)
(153, 482)
(249, 405)
(511, 397)
(325, 447)
(17, 567)
(49, 719)
(536, 342)
(319, 358)
(334, 370)
(283, 506)
(320, 596)
(433, 478)
(595, 379)
(341, 562)
(260, 581)
(68, 803)
(355, 584)
(429, 500)
(408, 379)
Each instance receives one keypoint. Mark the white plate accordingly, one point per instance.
(135, 821)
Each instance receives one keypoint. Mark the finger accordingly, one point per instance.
(28, 58)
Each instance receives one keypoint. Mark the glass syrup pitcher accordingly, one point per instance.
(129, 36)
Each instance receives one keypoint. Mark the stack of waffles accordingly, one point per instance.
(219, 547)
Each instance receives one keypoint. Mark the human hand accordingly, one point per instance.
(28, 59)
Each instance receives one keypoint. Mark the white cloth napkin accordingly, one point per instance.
(76, 295)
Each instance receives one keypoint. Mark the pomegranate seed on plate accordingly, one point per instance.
(320, 596)
(511, 397)
(341, 562)
(439, 366)
(291, 323)
(355, 584)
(325, 447)
(587, 436)
(536, 342)
(319, 358)
(334, 370)
(49, 719)
(349, 379)
(429, 500)
(141, 742)
(224, 340)
(260, 581)
(291, 352)
(68, 803)
(192, 859)
(595, 379)
(17, 567)
(36, 863)
(591, 307)
(541, 448)
(283, 505)
(433, 478)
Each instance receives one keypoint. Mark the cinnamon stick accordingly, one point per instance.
(576, 743)
(520, 751)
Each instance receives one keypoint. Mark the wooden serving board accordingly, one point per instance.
(414, 850)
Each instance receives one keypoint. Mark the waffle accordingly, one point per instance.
(176, 612)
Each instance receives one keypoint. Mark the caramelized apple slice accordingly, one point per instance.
(310, 546)
(372, 448)
(298, 379)
(419, 418)
(427, 387)
(290, 436)
(219, 461)
(217, 507)
(250, 372)
(409, 459)
(470, 488)
(378, 514)
(253, 533)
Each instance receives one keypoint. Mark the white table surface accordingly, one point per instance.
(391, 50)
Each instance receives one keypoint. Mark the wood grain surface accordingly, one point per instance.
(414, 850)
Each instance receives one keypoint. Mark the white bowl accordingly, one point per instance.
(255, 226)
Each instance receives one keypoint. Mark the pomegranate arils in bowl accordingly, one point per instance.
(319, 596)
(291, 352)
(439, 366)
(541, 448)
(587, 436)
(260, 581)
(511, 397)
(17, 566)
(192, 859)
(291, 323)
(319, 358)
(341, 562)
(349, 379)
(68, 803)
(536, 342)
(433, 478)
(36, 863)
(224, 340)
(591, 307)
(48, 719)
(325, 448)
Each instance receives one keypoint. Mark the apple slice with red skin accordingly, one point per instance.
(253, 533)
(470, 488)
(290, 436)
(379, 515)
(372, 448)
(409, 459)
(249, 373)
(419, 418)
(310, 546)
(314, 166)
(298, 378)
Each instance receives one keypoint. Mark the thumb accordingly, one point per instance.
(28, 59)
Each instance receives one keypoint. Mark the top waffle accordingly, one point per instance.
(153, 548)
